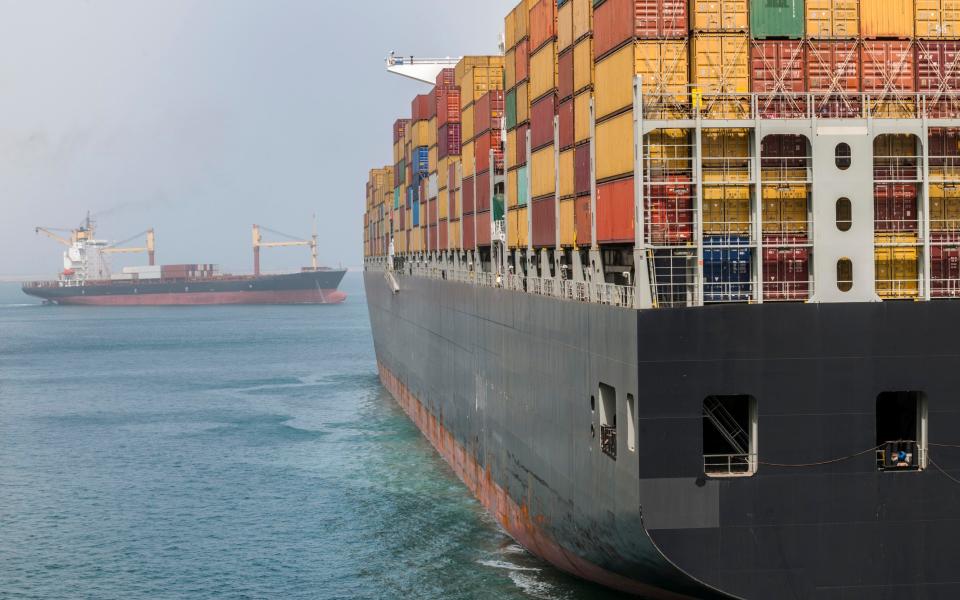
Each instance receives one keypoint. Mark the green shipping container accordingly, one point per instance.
(776, 19)
(522, 186)
(511, 109)
(396, 198)
(497, 207)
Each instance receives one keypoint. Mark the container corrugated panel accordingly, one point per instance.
(669, 151)
(565, 74)
(785, 208)
(721, 66)
(895, 207)
(523, 61)
(565, 26)
(444, 240)
(726, 209)
(614, 151)
(511, 188)
(543, 23)
(510, 109)
(581, 169)
(468, 120)
(719, 15)
(886, 19)
(449, 140)
(779, 67)
(582, 18)
(583, 64)
(543, 172)
(517, 226)
(484, 144)
(488, 111)
(523, 103)
(510, 68)
(543, 71)
(944, 207)
(937, 19)
(786, 274)
(615, 212)
(670, 210)
(889, 74)
(662, 65)
(541, 121)
(566, 120)
(833, 19)
(582, 220)
(936, 72)
(477, 80)
(567, 188)
(897, 267)
(469, 232)
(468, 158)
(834, 67)
(616, 21)
(443, 204)
(777, 19)
(483, 191)
(544, 222)
(944, 155)
(581, 116)
(568, 229)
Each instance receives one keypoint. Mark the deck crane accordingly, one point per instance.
(419, 69)
(293, 241)
(149, 248)
(49, 232)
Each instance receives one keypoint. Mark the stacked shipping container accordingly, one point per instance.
(517, 122)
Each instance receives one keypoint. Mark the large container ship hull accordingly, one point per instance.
(307, 287)
(501, 384)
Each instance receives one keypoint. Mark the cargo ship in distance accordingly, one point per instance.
(674, 288)
(86, 280)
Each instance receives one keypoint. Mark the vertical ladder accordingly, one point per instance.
(727, 425)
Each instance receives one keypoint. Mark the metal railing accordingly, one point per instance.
(901, 455)
(729, 465)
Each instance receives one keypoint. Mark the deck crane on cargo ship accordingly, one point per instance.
(294, 241)
(149, 248)
(419, 69)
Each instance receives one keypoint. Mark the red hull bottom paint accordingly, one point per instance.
(212, 298)
(515, 518)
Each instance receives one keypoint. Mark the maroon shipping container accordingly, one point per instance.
(448, 106)
(467, 195)
(778, 70)
(442, 242)
(448, 140)
(944, 147)
(833, 72)
(447, 79)
(483, 191)
(483, 145)
(566, 125)
(581, 169)
(544, 222)
(937, 76)
(469, 234)
(400, 127)
(895, 207)
(541, 121)
(452, 183)
(420, 108)
(616, 21)
(488, 112)
(581, 218)
(523, 60)
(521, 156)
(432, 211)
(780, 151)
(565, 74)
(452, 204)
(945, 265)
(888, 67)
(670, 210)
(432, 108)
(543, 23)
(483, 228)
(786, 273)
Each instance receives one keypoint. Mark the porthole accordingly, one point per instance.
(844, 214)
(844, 275)
(593, 403)
(842, 156)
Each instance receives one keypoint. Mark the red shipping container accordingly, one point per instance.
(420, 108)
(444, 235)
(938, 77)
(448, 140)
(432, 211)
(483, 228)
(432, 108)
(780, 151)
(616, 21)
(543, 23)
(447, 79)
(483, 191)
(541, 121)
(778, 70)
(521, 156)
(565, 74)
(581, 217)
(670, 211)
(483, 145)
(469, 233)
(581, 169)
(468, 193)
(833, 72)
(895, 207)
(400, 127)
(523, 60)
(544, 222)
(888, 67)
(488, 112)
(448, 106)
(565, 113)
(615, 212)
(945, 266)
(786, 273)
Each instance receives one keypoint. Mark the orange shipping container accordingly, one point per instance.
(662, 64)
(886, 19)
(543, 23)
(517, 221)
(568, 231)
(721, 66)
(615, 212)
(583, 64)
(937, 19)
(582, 219)
(565, 26)
(581, 116)
(719, 15)
(833, 19)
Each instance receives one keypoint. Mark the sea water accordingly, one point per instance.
(229, 452)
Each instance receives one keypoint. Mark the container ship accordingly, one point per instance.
(86, 277)
(680, 280)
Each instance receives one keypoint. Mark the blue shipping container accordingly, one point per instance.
(421, 161)
(727, 269)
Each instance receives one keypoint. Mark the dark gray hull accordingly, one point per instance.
(501, 382)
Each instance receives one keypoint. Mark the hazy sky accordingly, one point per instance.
(201, 117)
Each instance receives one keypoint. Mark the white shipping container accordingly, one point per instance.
(143, 276)
(122, 277)
(141, 269)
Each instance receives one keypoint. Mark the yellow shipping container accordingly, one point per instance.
(833, 19)
(888, 145)
(467, 158)
(726, 209)
(523, 102)
(897, 268)
(937, 19)
(784, 208)
(443, 172)
(669, 150)
(726, 155)
(432, 134)
(432, 157)
(510, 152)
(568, 230)
(614, 151)
(475, 80)
(467, 123)
(517, 222)
(543, 71)
(443, 203)
(886, 18)
(516, 23)
(543, 172)
(581, 116)
(511, 199)
(721, 66)
(582, 18)
(565, 26)
(719, 15)
(566, 173)
(661, 63)
(944, 207)
(420, 134)
(510, 68)
(583, 64)
(457, 204)
(453, 235)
